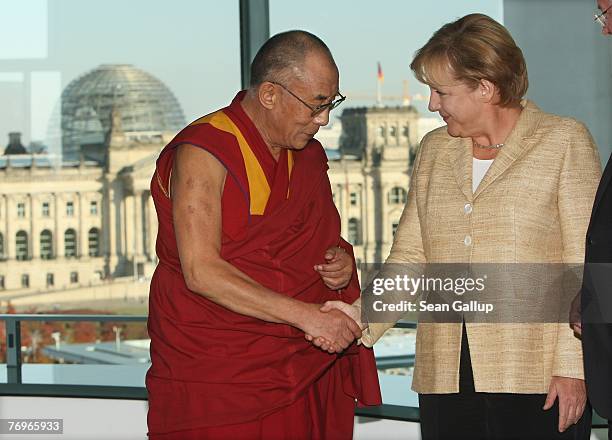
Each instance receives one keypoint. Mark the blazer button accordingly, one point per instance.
(468, 208)
(467, 240)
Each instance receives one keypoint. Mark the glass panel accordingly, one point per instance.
(85, 353)
(395, 361)
(70, 243)
(354, 233)
(46, 245)
(94, 243)
(61, 89)
(21, 245)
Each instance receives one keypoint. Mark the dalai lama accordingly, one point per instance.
(249, 248)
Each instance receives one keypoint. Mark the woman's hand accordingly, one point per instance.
(332, 331)
(350, 310)
(572, 399)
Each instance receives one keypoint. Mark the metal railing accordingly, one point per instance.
(15, 387)
(13, 334)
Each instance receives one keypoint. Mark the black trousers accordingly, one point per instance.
(471, 415)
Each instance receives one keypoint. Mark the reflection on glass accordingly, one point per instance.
(85, 353)
(84, 114)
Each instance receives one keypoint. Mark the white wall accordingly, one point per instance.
(84, 419)
(114, 419)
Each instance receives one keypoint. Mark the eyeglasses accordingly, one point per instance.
(602, 18)
(315, 111)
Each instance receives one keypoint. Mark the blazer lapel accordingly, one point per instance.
(518, 142)
(460, 155)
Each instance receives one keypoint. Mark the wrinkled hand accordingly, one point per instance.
(574, 315)
(338, 269)
(334, 327)
(572, 399)
(348, 309)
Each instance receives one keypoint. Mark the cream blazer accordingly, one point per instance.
(532, 206)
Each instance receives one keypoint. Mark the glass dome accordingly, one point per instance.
(144, 103)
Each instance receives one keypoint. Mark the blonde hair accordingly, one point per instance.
(471, 49)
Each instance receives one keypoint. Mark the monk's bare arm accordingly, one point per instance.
(196, 190)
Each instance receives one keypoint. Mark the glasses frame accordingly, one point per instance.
(601, 18)
(314, 110)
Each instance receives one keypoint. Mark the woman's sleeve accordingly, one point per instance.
(577, 186)
(407, 248)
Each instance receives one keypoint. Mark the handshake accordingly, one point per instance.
(334, 326)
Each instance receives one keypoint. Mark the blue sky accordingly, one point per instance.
(193, 46)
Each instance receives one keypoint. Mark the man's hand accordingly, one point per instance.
(335, 329)
(572, 399)
(350, 310)
(574, 315)
(338, 270)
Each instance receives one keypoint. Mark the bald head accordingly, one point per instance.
(282, 57)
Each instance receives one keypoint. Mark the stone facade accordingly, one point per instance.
(371, 174)
(79, 224)
(109, 211)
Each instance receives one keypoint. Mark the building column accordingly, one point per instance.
(4, 216)
(112, 233)
(34, 230)
(368, 215)
(384, 216)
(139, 224)
(9, 240)
(58, 236)
(127, 225)
(108, 234)
(82, 250)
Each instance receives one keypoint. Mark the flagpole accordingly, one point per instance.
(406, 97)
(380, 79)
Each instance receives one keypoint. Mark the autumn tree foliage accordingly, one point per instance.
(36, 335)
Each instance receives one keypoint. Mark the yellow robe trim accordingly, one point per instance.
(259, 190)
(290, 165)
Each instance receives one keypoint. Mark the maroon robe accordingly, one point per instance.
(215, 370)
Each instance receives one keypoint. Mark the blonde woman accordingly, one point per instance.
(502, 182)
